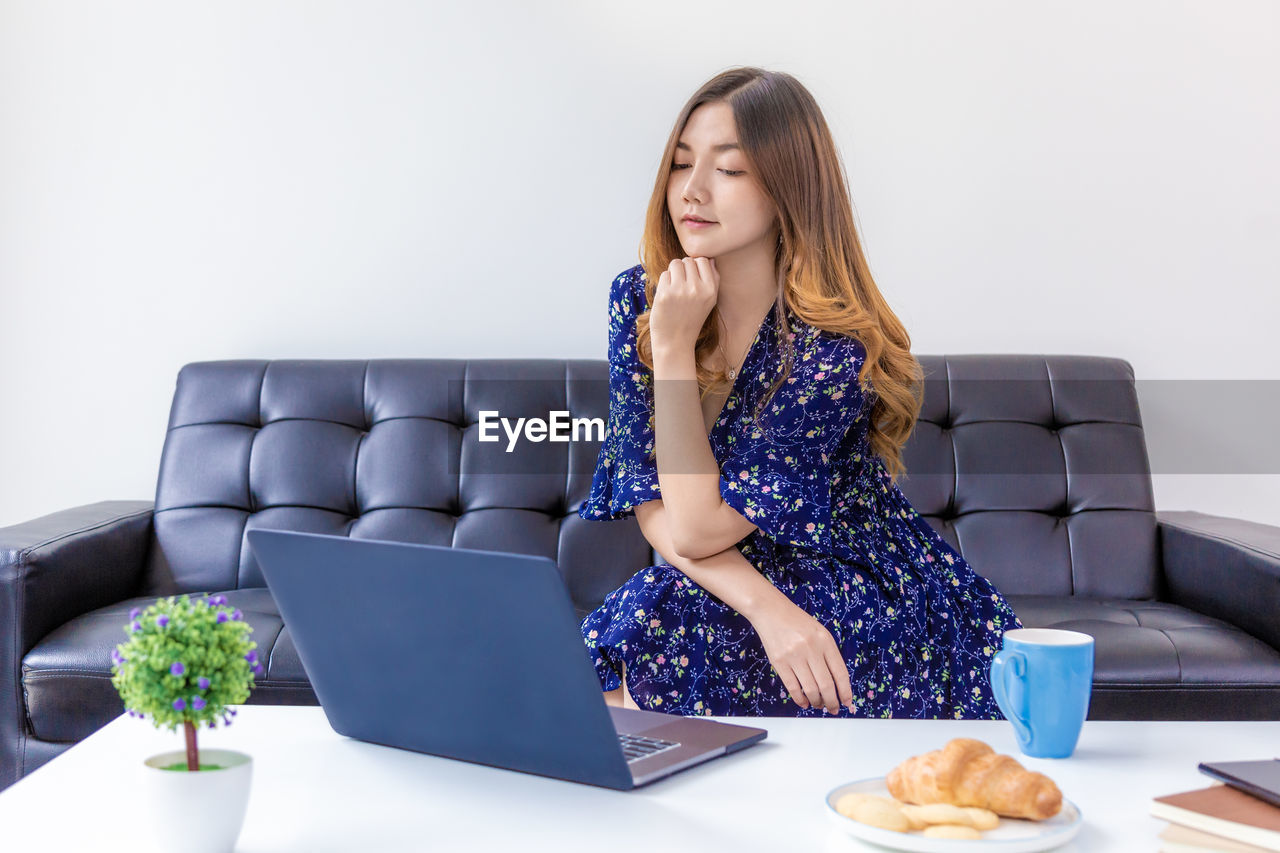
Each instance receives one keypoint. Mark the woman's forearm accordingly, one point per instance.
(688, 474)
(726, 575)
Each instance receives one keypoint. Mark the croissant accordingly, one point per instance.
(968, 772)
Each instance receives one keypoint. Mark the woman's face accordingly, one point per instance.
(715, 184)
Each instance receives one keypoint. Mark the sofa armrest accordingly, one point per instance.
(52, 569)
(1228, 568)
(58, 566)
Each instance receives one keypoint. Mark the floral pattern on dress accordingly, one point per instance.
(915, 624)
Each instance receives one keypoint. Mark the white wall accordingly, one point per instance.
(183, 181)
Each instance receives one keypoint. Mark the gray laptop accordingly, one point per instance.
(466, 654)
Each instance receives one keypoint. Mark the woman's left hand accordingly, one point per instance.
(685, 294)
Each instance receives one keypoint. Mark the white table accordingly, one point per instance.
(314, 790)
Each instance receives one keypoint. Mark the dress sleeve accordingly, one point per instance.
(778, 472)
(625, 474)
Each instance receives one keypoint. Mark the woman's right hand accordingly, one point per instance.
(805, 656)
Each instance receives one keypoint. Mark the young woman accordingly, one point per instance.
(761, 390)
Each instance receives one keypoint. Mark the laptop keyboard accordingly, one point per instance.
(636, 747)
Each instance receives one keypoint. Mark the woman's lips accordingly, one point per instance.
(695, 224)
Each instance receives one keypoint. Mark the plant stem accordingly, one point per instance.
(193, 754)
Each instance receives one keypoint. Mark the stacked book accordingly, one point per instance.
(1219, 817)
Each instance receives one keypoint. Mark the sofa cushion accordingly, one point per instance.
(1190, 666)
(66, 677)
(1161, 661)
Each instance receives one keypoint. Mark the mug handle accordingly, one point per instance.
(1009, 689)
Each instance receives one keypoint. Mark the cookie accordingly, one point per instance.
(951, 830)
(880, 812)
(844, 805)
(938, 813)
(982, 819)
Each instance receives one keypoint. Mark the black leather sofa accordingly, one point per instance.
(1034, 467)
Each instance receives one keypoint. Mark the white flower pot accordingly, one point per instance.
(199, 812)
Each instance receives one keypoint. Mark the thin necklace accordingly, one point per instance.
(733, 371)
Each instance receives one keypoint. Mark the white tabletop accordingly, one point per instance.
(314, 790)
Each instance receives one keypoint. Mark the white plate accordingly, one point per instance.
(1011, 836)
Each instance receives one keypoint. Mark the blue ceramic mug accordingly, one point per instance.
(1042, 680)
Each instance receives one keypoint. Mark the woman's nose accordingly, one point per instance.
(695, 186)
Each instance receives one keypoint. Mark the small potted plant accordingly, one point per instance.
(183, 663)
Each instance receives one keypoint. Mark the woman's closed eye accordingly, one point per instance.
(726, 171)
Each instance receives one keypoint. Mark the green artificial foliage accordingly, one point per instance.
(184, 662)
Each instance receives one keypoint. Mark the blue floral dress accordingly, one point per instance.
(916, 625)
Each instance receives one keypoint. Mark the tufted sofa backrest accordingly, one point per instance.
(1035, 468)
(1012, 461)
(381, 449)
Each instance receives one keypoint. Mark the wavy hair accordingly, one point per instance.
(822, 274)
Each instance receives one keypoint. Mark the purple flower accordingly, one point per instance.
(222, 616)
(133, 614)
(251, 656)
(219, 599)
(237, 614)
(257, 667)
(134, 626)
(177, 668)
(179, 703)
(162, 620)
(203, 683)
(197, 703)
(233, 713)
(117, 657)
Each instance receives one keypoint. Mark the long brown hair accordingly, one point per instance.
(822, 273)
